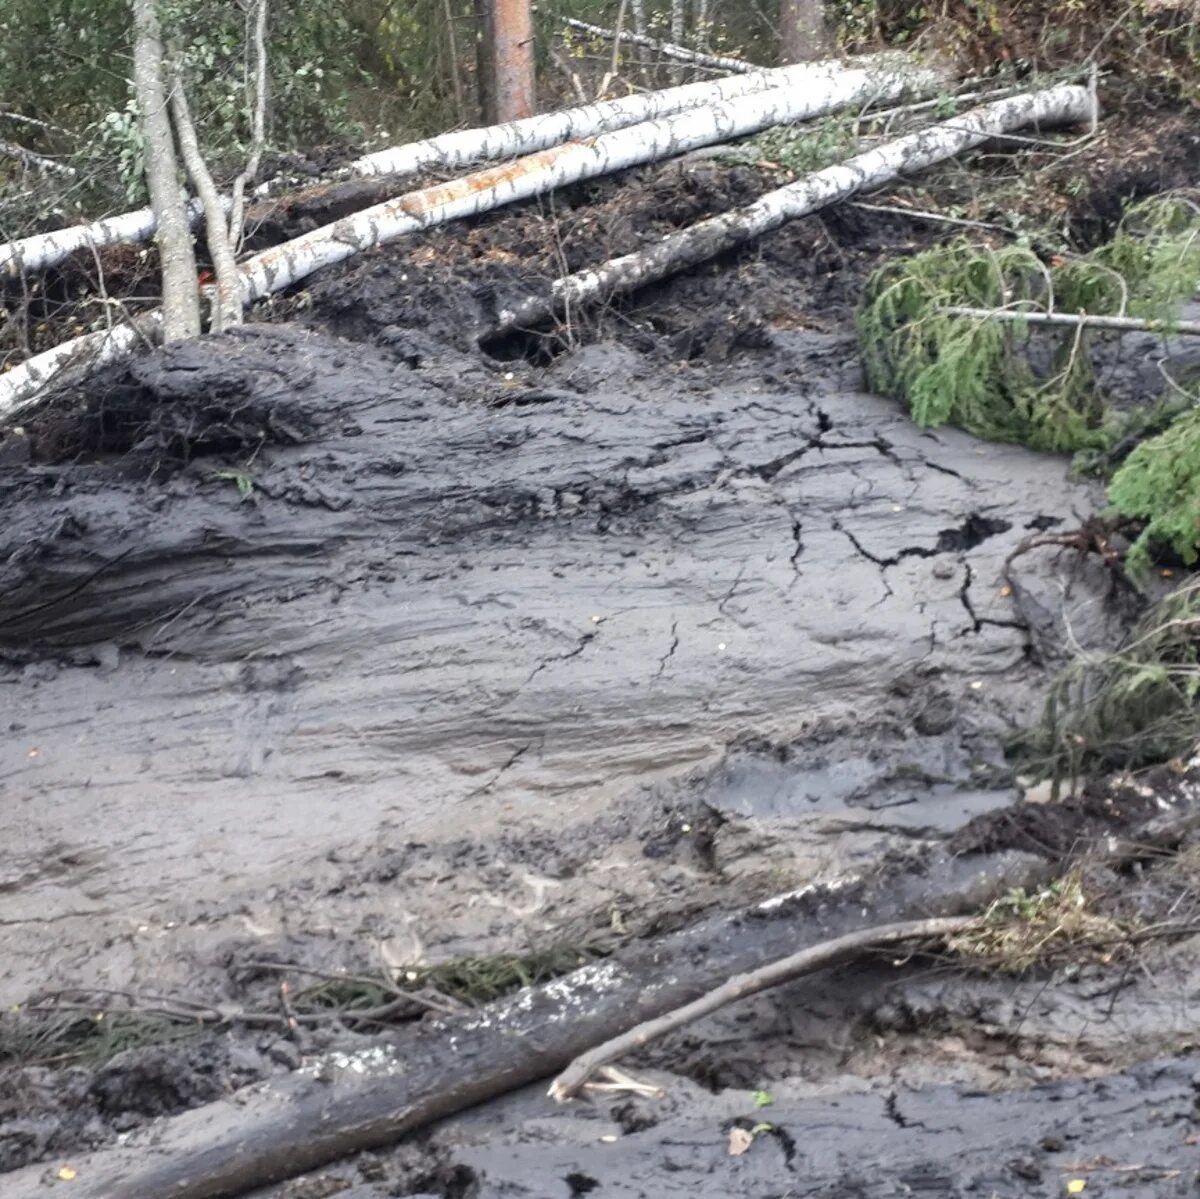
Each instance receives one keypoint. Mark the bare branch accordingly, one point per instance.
(806, 961)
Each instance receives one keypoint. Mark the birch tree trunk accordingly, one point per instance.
(802, 32)
(227, 302)
(181, 297)
(452, 150)
(1065, 104)
(823, 91)
(823, 87)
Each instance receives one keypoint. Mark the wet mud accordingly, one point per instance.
(339, 641)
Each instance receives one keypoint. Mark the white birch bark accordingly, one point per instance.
(22, 393)
(717, 62)
(453, 150)
(494, 142)
(181, 296)
(822, 90)
(1065, 104)
(227, 301)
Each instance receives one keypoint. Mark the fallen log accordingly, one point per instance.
(718, 62)
(827, 88)
(348, 1103)
(450, 150)
(1065, 104)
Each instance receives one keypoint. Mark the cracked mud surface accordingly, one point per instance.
(368, 649)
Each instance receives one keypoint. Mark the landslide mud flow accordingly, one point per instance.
(337, 640)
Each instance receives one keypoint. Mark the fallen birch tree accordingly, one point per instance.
(347, 1103)
(1062, 105)
(827, 88)
(697, 58)
(452, 150)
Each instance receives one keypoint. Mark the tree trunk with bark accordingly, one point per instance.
(821, 89)
(1064, 104)
(181, 296)
(512, 60)
(802, 32)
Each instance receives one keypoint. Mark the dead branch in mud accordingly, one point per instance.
(1076, 320)
(716, 62)
(706, 239)
(796, 965)
(348, 1103)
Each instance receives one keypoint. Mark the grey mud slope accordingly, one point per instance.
(455, 602)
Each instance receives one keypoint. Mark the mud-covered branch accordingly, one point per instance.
(349, 1103)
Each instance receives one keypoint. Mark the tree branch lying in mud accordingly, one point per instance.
(281, 266)
(451, 150)
(346, 1103)
(807, 961)
(1066, 104)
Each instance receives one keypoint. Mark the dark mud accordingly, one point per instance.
(337, 641)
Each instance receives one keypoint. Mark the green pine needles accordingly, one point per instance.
(1041, 386)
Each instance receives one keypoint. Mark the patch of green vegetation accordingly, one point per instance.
(1128, 708)
(1005, 380)
(995, 378)
(801, 149)
(82, 1038)
(1022, 929)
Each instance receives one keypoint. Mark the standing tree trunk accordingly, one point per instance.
(512, 59)
(181, 294)
(802, 33)
(227, 302)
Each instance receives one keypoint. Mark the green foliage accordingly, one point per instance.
(978, 374)
(1129, 708)
(1160, 483)
(1004, 380)
(801, 149)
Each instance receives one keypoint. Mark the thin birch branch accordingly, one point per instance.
(718, 62)
(227, 301)
(12, 150)
(258, 124)
(1077, 320)
(796, 965)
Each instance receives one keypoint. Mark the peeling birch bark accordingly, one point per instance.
(1066, 104)
(826, 88)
